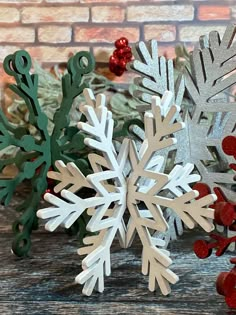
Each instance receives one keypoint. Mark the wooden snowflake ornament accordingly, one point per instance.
(37, 153)
(212, 73)
(156, 76)
(209, 114)
(129, 180)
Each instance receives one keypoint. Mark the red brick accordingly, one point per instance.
(63, 1)
(54, 34)
(162, 33)
(167, 51)
(233, 8)
(206, 13)
(17, 34)
(160, 1)
(158, 12)
(55, 14)
(108, 1)
(20, 1)
(102, 54)
(191, 33)
(105, 34)
(105, 14)
(9, 15)
(7, 50)
(51, 54)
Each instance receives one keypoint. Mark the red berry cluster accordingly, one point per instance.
(225, 215)
(120, 57)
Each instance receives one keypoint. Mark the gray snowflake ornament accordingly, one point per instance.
(211, 75)
(210, 114)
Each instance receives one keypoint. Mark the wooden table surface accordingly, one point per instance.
(43, 283)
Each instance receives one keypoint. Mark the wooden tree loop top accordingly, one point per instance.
(17, 63)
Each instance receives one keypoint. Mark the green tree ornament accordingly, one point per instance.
(36, 155)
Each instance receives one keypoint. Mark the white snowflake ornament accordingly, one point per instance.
(130, 180)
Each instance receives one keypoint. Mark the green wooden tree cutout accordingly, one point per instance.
(36, 155)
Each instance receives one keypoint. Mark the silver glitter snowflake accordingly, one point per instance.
(210, 114)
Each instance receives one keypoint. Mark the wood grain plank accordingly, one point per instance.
(43, 283)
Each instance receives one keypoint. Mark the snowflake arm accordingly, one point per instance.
(181, 180)
(211, 72)
(160, 123)
(97, 261)
(218, 179)
(155, 262)
(176, 227)
(107, 207)
(69, 177)
(152, 219)
(157, 73)
(181, 177)
(95, 265)
(67, 213)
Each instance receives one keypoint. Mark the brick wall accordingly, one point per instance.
(51, 29)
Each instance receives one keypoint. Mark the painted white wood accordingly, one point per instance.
(160, 191)
(116, 189)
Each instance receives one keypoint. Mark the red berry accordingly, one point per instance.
(122, 64)
(229, 145)
(120, 57)
(231, 300)
(124, 54)
(127, 53)
(201, 249)
(116, 53)
(120, 53)
(225, 283)
(119, 72)
(128, 57)
(113, 59)
(127, 49)
(121, 42)
(233, 260)
(224, 213)
(202, 188)
(114, 64)
(112, 67)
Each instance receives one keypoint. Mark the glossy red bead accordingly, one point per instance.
(121, 42)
